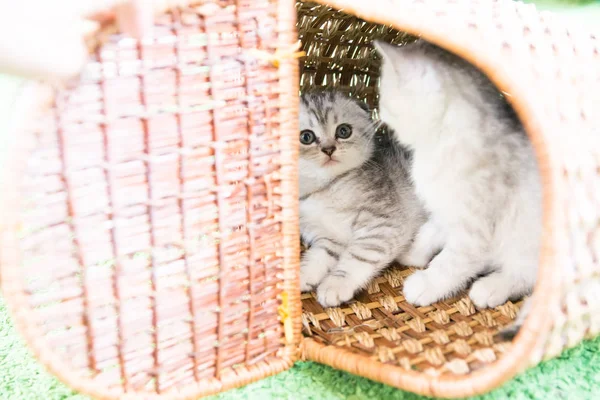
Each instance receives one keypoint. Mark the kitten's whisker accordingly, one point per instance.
(377, 124)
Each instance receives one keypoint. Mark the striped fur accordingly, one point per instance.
(358, 212)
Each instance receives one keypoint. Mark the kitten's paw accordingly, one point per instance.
(304, 286)
(313, 269)
(308, 280)
(423, 288)
(417, 289)
(491, 290)
(333, 291)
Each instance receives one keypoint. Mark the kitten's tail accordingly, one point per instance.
(510, 332)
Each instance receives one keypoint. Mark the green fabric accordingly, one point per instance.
(575, 376)
(575, 11)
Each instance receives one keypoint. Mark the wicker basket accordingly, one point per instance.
(149, 239)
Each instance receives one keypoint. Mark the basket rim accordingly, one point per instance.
(535, 330)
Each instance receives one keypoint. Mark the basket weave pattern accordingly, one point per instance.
(339, 51)
(447, 337)
(151, 225)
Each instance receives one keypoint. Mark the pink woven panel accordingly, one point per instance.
(151, 230)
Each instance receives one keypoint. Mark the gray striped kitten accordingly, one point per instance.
(358, 210)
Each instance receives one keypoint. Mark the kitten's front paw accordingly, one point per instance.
(334, 291)
(490, 291)
(312, 271)
(417, 289)
(423, 288)
(304, 286)
(307, 281)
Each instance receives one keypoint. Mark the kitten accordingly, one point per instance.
(475, 171)
(358, 210)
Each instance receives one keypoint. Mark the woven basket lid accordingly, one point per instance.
(149, 246)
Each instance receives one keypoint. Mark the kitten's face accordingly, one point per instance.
(336, 134)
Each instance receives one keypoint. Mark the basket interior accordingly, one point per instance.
(449, 337)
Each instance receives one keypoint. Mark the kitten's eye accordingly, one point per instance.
(307, 137)
(343, 131)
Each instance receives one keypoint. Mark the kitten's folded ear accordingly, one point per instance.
(364, 106)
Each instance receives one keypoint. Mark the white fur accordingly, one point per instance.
(463, 158)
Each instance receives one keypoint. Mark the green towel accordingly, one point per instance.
(575, 375)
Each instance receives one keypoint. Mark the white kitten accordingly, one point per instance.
(473, 168)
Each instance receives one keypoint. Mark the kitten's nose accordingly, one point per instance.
(328, 150)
